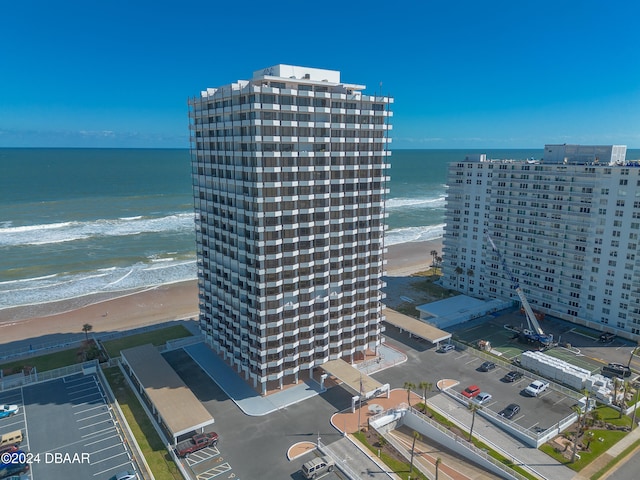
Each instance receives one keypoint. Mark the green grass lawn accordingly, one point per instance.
(612, 416)
(400, 468)
(429, 287)
(155, 337)
(153, 449)
(50, 361)
(602, 441)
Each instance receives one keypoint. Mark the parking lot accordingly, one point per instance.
(68, 428)
(425, 364)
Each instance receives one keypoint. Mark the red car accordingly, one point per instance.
(471, 391)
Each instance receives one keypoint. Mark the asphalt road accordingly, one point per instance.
(629, 469)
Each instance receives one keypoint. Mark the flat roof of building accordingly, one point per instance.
(461, 308)
(415, 327)
(178, 407)
(352, 377)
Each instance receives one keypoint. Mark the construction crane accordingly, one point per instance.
(534, 334)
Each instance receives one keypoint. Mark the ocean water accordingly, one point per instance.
(80, 221)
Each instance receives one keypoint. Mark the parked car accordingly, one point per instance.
(616, 370)
(509, 411)
(482, 398)
(8, 410)
(471, 391)
(486, 366)
(513, 376)
(195, 443)
(126, 475)
(536, 388)
(10, 469)
(317, 466)
(447, 347)
(607, 337)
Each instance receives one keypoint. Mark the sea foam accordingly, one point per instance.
(71, 231)
(66, 286)
(414, 234)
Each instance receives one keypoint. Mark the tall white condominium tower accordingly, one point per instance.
(567, 226)
(289, 181)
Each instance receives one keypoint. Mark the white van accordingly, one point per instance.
(317, 466)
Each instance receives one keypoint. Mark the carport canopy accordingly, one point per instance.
(357, 381)
(175, 404)
(416, 327)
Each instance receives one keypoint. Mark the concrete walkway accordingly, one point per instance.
(254, 404)
(247, 399)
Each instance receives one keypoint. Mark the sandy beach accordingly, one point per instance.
(160, 304)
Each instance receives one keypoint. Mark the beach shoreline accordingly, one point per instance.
(119, 311)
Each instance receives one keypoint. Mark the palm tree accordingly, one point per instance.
(408, 386)
(633, 417)
(581, 420)
(623, 403)
(458, 271)
(425, 387)
(416, 436)
(438, 264)
(86, 328)
(434, 254)
(617, 383)
(474, 407)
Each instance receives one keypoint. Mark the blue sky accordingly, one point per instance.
(465, 74)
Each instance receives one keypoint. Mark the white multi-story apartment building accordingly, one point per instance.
(567, 226)
(289, 178)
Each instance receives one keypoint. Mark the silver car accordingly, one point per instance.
(482, 398)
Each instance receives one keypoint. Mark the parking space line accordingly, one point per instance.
(24, 416)
(8, 398)
(110, 420)
(109, 458)
(200, 457)
(85, 396)
(101, 440)
(219, 470)
(112, 468)
(92, 416)
(15, 420)
(470, 361)
(86, 384)
(88, 409)
(98, 432)
(107, 448)
(78, 394)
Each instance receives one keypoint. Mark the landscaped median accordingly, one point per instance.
(602, 428)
